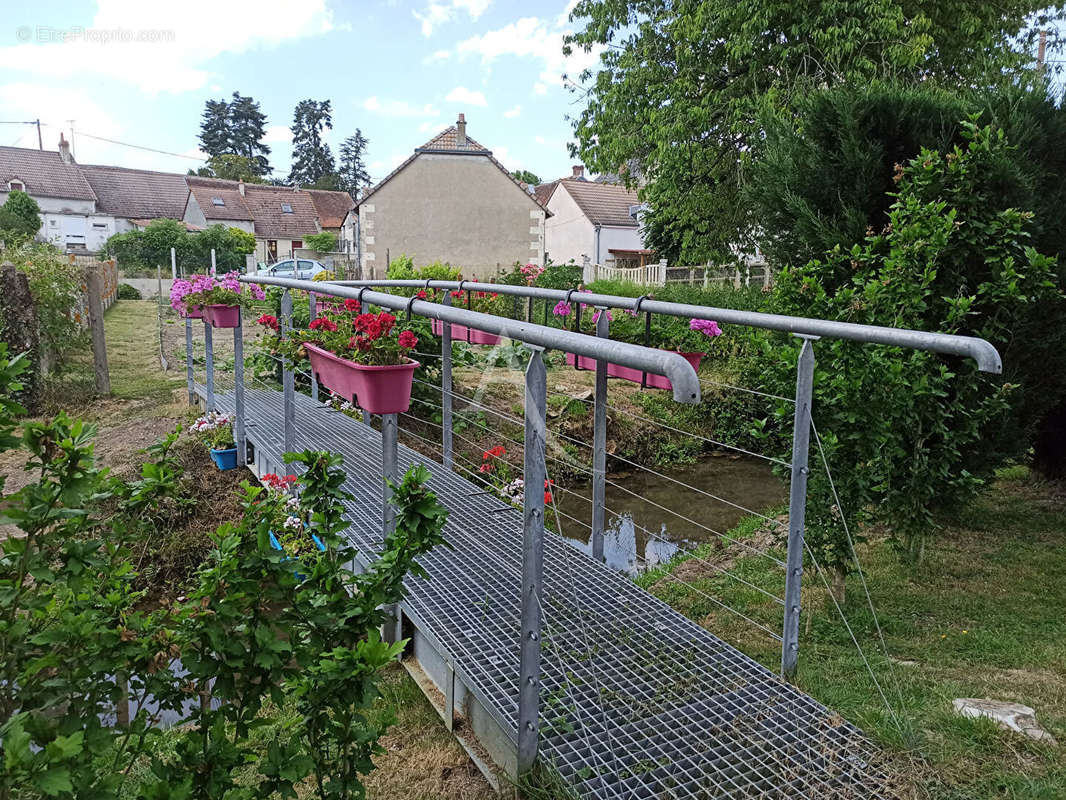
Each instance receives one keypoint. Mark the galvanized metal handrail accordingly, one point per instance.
(686, 385)
(981, 351)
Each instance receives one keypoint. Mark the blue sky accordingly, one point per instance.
(401, 71)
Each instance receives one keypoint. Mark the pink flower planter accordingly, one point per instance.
(379, 390)
(461, 333)
(630, 374)
(194, 312)
(219, 316)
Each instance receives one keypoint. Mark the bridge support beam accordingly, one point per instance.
(189, 379)
(288, 380)
(599, 443)
(238, 393)
(312, 312)
(446, 388)
(532, 563)
(797, 507)
(209, 356)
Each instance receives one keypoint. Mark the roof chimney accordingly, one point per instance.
(240, 186)
(579, 171)
(64, 150)
(460, 131)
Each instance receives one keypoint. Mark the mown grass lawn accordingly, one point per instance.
(984, 616)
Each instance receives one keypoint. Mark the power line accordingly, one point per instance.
(141, 147)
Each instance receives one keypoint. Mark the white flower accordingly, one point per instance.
(293, 523)
(292, 502)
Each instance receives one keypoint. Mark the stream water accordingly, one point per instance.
(650, 518)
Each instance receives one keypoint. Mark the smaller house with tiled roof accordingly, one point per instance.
(280, 217)
(135, 197)
(69, 214)
(451, 201)
(594, 220)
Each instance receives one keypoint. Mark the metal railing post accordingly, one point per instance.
(312, 312)
(288, 380)
(446, 388)
(599, 442)
(797, 507)
(189, 379)
(532, 563)
(209, 356)
(389, 448)
(238, 393)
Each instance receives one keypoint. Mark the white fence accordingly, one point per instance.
(747, 272)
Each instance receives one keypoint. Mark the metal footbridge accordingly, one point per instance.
(536, 654)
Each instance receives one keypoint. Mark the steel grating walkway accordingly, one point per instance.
(637, 700)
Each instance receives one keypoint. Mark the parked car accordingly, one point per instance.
(304, 269)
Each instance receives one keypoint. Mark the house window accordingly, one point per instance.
(100, 225)
(286, 208)
(16, 186)
(218, 201)
(297, 244)
(272, 250)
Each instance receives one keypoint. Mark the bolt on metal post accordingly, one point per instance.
(288, 380)
(312, 312)
(797, 507)
(446, 388)
(209, 356)
(189, 379)
(599, 442)
(532, 563)
(238, 393)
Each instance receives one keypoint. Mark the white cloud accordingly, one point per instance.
(460, 94)
(399, 108)
(511, 113)
(531, 37)
(503, 155)
(426, 127)
(170, 51)
(435, 14)
(564, 18)
(437, 55)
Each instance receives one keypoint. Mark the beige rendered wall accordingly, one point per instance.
(456, 208)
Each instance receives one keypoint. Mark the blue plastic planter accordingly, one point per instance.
(225, 459)
(277, 546)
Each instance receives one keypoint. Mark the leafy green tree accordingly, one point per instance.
(683, 84)
(910, 436)
(231, 168)
(526, 176)
(214, 128)
(311, 156)
(231, 245)
(20, 218)
(354, 177)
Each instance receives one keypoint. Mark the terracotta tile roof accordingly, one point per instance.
(446, 140)
(271, 220)
(44, 174)
(137, 193)
(543, 192)
(207, 190)
(331, 207)
(603, 203)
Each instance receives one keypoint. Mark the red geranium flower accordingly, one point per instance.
(485, 468)
(407, 340)
(351, 304)
(270, 321)
(323, 323)
(373, 329)
(421, 295)
(386, 320)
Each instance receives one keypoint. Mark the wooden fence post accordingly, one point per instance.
(96, 330)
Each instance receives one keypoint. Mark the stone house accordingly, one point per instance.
(451, 201)
(594, 220)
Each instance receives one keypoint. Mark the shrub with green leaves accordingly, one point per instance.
(56, 286)
(255, 627)
(911, 435)
(20, 218)
(324, 242)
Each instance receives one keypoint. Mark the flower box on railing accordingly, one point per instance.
(461, 333)
(194, 312)
(379, 390)
(219, 316)
(631, 374)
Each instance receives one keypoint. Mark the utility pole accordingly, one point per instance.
(1041, 52)
(40, 141)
